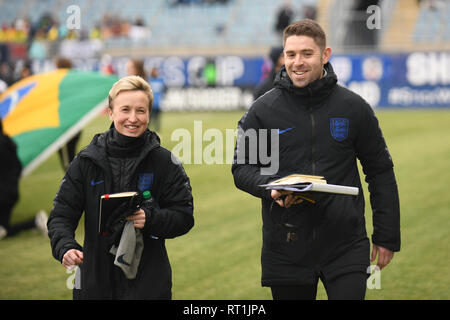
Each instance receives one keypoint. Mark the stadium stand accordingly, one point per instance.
(186, 37)
(232, 22)
(432, 24)
(221, 23)
(244, 27)
(418, 25)
(401, 25)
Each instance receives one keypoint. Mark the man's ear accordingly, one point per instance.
(326, 55)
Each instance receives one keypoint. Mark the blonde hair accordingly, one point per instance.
(130, 83)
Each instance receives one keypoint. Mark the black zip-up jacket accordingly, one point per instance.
(95, 172)
(322, 129)
(10, 170)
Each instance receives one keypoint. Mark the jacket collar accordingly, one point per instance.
(97, 149)
(314, 92)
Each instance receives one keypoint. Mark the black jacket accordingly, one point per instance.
(322, 129)
(10, 170)
(265, 86)
(90, 176)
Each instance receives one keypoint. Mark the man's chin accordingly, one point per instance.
(301, 84)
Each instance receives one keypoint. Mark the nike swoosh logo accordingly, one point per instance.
(120, 260)
(285, 130)
(94, 183)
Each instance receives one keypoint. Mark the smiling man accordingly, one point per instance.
(323, 130)
(304, 58)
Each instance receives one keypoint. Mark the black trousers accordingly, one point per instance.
(13, 229)
(349, 286)
(68, 151)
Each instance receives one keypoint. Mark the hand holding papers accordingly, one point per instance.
(302, 185)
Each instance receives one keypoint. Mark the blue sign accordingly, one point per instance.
(417, 79)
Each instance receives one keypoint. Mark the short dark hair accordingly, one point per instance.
(306, 27)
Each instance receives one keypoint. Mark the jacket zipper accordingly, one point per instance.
(313, 164)
(313, 124)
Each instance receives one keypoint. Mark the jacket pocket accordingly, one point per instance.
(287, 244)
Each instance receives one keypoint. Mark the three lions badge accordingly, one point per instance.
(339, 128)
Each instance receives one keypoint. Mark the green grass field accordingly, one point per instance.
(220, 257)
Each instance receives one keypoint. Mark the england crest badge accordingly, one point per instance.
(339, 128)
(145, 181)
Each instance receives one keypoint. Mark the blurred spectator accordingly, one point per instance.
(135, 67)
(106, 66)
(309, 12)
(38, 48)
(6, 74)
(17, 32)
(4, 52)
(53, 33)
(277, 61)
(63, 63)
(138, 31)
(43, 39)
(210, 73)
(158, 88)
(10, 170)
(284, 17)
(63, 32)
(95, 33)
(113, 26)
(68, 151)
(3, 86)
(46, 22)
(26, 70)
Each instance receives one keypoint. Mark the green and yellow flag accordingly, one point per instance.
(42, 112)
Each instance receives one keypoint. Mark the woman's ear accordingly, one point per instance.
(110, 114)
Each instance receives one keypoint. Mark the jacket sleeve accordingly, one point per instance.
(66, 212)
(378, 167)
(173, 215)
(10, 169)
(246, 168)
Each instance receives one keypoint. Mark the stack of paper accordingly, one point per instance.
(308, 183)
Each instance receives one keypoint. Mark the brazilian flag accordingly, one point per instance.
(42, 112)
